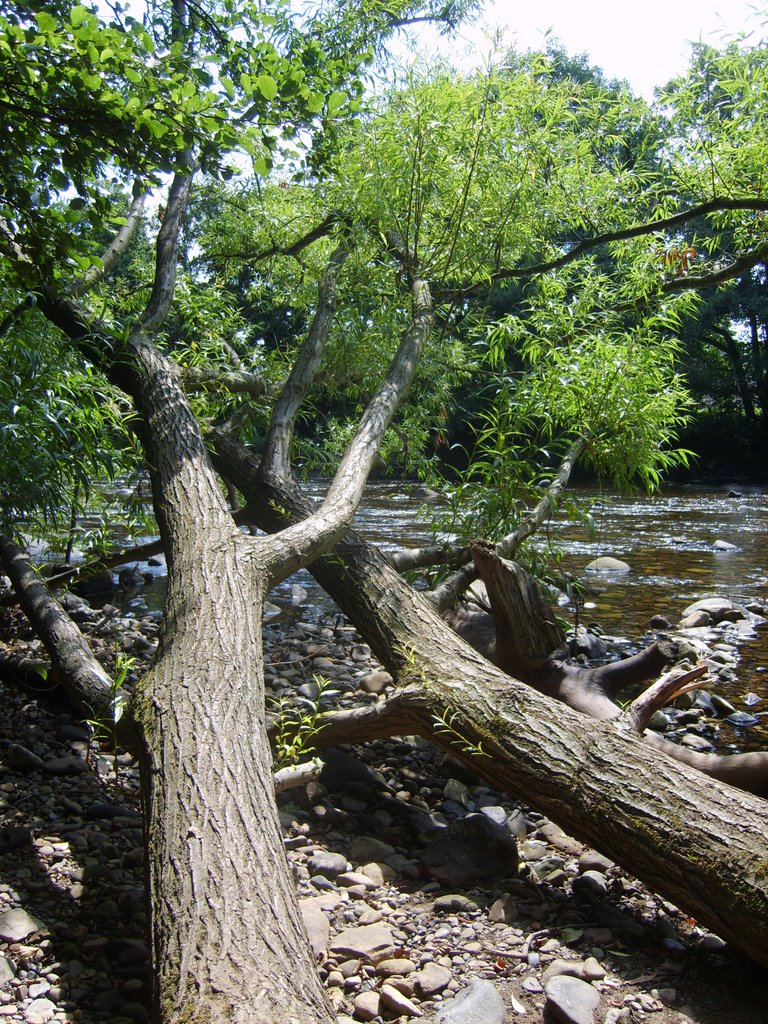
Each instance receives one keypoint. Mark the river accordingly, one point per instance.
(667, 539)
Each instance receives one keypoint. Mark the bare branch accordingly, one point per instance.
(407, 559)
(200, 378)
(115, 250)
(297, 775)
(276, 457)
(664, 690)
(302, 542)
(166, 254)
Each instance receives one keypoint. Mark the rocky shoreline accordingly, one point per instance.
(426, 894)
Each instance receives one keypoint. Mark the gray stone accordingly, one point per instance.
(431, 979)
(375, 682)
(504, 909)
(327, 863)
(39, 1011)
(348, 774)
(365, 848)
(715, 607)
(367, 1005)
(533, 849)
(371, 941)
(400, 966)
(316, 922)
(591, 860)
(14, 837)
(724, 545)
(7, 970)
(68, 764)
(559, 967)
(455, 903)
(397, 1003)
(695, 620)
(712, 944)
(17, 924)
(478, 1003)
(21, 759)
(570, 1001)
(607, 564)
(495, 813)
(471, 851)
(593, 881)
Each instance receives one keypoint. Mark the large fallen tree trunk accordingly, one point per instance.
(699, 843)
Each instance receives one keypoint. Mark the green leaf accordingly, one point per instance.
(336, 101)
(78, 15)
(267, 86)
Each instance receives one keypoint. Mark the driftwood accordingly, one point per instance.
(529, 646)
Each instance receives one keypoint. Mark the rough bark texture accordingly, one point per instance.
(224, 918)
(228, 942)
(697, 842)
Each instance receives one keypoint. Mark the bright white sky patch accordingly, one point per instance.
(646, 42)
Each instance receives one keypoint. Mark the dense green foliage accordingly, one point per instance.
(538, 201)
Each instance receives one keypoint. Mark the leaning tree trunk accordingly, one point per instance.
(228, 943)
(698, 842)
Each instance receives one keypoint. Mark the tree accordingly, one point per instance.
(439, 189)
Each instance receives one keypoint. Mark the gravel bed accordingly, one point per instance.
(426, 894)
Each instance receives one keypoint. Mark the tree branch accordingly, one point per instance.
(276, 456)
(85, 682)
(734, 269)
(301, 543)
(621, 234)
(166, 254)
(297, 775)
(115, 250)
(664, 690)
(320, 231)
(200, 378)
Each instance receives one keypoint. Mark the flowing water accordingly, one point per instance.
(667, 540)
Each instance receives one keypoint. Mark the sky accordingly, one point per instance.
(646, 42)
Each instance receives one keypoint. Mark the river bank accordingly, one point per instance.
(400, 926)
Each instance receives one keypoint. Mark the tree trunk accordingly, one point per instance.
(699, 843)
(228, 942)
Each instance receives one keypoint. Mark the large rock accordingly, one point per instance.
(471, 851)
(717, 608)
(478, 1003)
(22, 760)
(570, 1001)
(368, 942)
(607, 564)
(17, 924)
(316, 922)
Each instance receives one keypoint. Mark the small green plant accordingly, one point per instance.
(445, 724)
(296, 725)
(104, 729)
